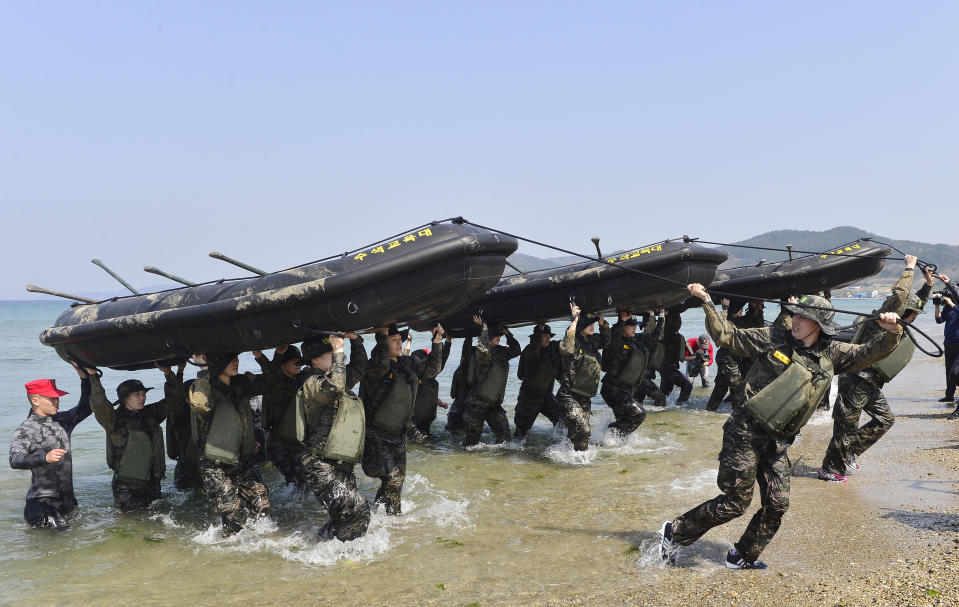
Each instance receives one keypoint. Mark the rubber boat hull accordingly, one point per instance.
(805, 275)
(420, 277)
(545, 295)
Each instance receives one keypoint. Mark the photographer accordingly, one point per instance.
(948, 314)
(702, 349)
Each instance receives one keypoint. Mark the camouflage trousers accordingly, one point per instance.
(476, 411)
(454, 416)
(384, 457)
(729, 377)
(286, 458)
(749, 456)
(576, 411)
(629, 413)
(40, 514)
(528, 407)
(133, 496)
(186, 474)
(234, 494)
(672, 377)
(856, 394)
(648, 387)
(335, 488)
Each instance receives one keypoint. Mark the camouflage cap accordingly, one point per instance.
(822, 317)
(914, 304)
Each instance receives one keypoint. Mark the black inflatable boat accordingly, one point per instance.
(533, 297)
(804, 275)
(422, 276)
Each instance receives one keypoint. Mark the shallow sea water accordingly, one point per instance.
(495, 524)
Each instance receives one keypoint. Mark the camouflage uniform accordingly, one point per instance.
(670, 374)
(51, 495)
(620, 397)
(478, 409)
(538, 368)
(234, 491)
(459, 389)
(730, 368)
(118, 421)
(277, 399)
(384, 454)
(180, 446)
(862, 391)
(576, 408)
(750, 454)
(333, 482)
(427, 399)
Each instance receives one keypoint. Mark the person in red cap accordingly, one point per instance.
(42, 445)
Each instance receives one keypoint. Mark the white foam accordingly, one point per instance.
(423, 506)
(704, 479)
(563, 453)
(166, 520)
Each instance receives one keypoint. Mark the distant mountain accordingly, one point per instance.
(945, 256)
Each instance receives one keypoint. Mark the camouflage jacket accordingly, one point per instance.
(895, 302)
(532, 361)
(322, 391)
(279, 392)
(117, 420)
(763, 343)
(381, 372)
(620, 348)
(37, 435)
(207, 394)
(485, 355)
(574, 347)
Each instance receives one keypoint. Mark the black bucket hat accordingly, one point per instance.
(130, 386)
(216, 363)
(312, 348)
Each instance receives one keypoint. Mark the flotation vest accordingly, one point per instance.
(492, 386)
(142, 457)
(427, 394)
(396, 409)
(541, 380)
(585, 381)
(657, 355)
(634, 368)
(785, 404)
(894, 362)
(225, 438)
(292, 426)
(348, 432)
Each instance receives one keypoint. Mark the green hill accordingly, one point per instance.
(944, 255)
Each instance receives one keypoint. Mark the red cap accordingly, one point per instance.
(44, 387)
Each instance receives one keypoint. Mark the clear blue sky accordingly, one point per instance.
(153, 133)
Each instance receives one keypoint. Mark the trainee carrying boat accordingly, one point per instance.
(661, 272)
(418, 277)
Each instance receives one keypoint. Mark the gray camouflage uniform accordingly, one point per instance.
(50, 496)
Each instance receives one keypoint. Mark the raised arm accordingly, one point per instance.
(850, 357)
(744, 342)
(567, 347)
(102, 408)
(434, 362)
(359, 360)
(379, 361)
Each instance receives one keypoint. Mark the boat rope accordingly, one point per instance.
(907, 327)
(788, 250)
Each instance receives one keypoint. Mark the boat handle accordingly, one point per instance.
(352, 308)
